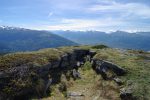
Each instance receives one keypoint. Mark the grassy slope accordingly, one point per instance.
(41, 57)
(137, 64)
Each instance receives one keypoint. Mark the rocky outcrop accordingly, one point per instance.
(102, 67)
(20, 81)
(110, 71)
(28, 79)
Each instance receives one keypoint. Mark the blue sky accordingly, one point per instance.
(103, 15)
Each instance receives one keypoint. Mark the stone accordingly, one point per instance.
(76, 74)
(102, 72)
(118, 81)
(102, 67)
(79, 64)
(126, 94)
(116, 69)
(88, 58)
(74, 94)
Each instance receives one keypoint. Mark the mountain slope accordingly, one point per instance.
(119, 39)
(19, 39)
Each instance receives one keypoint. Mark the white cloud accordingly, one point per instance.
(103, 15)
(136, 9)
(73, 24)
(105, 24)
(84, 24)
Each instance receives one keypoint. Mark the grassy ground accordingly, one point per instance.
(40, 58)
(91, 85)
(136, 63)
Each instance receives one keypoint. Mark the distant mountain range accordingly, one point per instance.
(14, 39)
(118, 39)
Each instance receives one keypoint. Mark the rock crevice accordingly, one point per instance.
(21, 81)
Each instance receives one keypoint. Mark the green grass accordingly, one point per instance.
(40, 58)
(37, 58)
(137, 65)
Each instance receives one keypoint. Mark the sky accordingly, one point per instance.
(101, 15)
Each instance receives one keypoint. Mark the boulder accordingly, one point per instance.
(76, 74)
(102, 67)
(116, 69)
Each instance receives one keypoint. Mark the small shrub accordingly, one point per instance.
(99, 46)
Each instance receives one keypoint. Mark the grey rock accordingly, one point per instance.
(79, 63)
(118, 81)
(76, 74)
(74, 94)
(101, 67)
(126, 94)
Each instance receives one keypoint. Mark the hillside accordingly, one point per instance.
(76, 72)
(14, 39)
(118, 39)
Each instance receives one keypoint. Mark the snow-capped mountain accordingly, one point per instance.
(11, 28)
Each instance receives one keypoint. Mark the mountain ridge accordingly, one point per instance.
(117, 39)
(14, 39)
